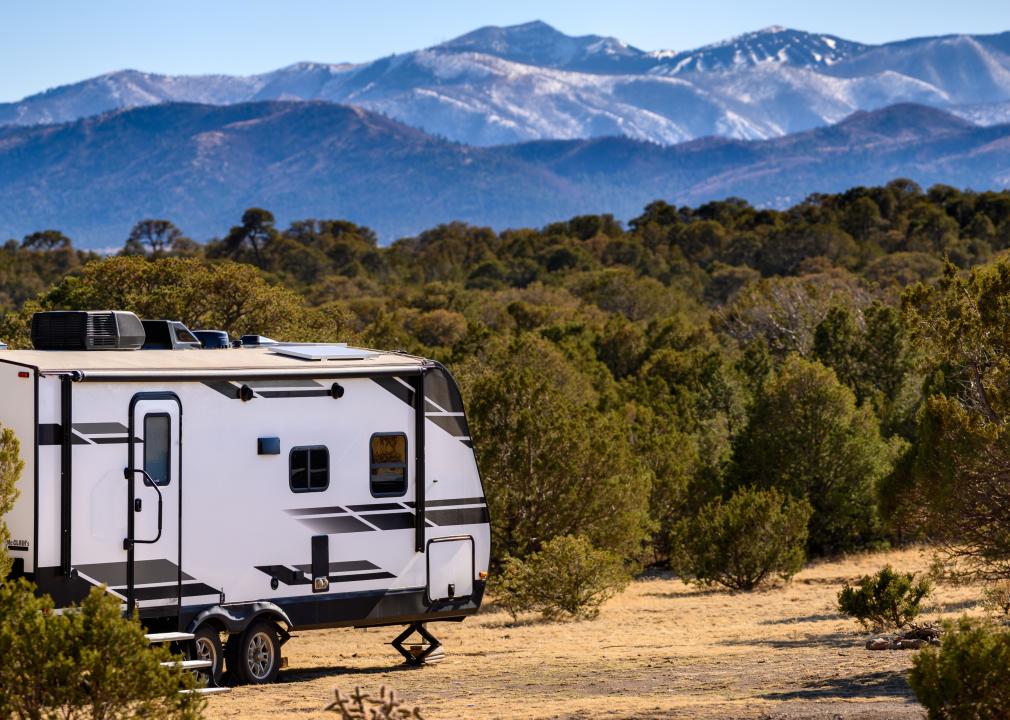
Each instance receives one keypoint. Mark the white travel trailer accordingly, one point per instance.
(243, 492)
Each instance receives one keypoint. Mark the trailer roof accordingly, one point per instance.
(238, 360)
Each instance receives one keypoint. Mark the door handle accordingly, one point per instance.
(128, 473)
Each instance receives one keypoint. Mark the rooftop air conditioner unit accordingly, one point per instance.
(87, 330)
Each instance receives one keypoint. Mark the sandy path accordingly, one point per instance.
(662, 649)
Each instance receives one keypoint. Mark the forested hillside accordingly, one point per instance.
(850, 351)
(203, 165)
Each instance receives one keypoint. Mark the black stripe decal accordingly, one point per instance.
(332, 510)
(457, 501)
(163, 592)
(50, 434)
(284, 574)
(391, 521)
(458, 516)
(449, 502)
(396, 388)
(292, 393)
(376, 506)
(225, 388)
(288, 576)
(343, 566)
(335, 525)
(361, 576)
(146, 572)
(101, 428)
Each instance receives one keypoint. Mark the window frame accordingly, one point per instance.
(168, 449)
(308, 468)
(406, 465)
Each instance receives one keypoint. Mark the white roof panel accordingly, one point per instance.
(320, 351)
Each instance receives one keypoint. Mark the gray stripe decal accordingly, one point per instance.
(398, 389)
(452, 424)
(458, 516)
(292, 383)
(227, 389)
(335, 525)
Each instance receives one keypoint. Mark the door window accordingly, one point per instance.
(158, 447)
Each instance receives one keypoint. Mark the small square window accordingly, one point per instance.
(309, 469)
(388, 462)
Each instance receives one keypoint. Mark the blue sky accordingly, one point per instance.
(44, 43)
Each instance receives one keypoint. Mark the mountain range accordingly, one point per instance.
(531, 82)
(202, 165)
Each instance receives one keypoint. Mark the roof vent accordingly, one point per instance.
(87, 330)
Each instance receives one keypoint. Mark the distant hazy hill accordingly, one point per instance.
(527, 82)
(202, 165)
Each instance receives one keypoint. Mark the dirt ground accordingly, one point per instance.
(660, 650)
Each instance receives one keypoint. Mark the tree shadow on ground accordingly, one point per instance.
(835, 639)
(522, 621)
(881, 684)
(803, 619)
(839, 581)
(952, 607)
(314, 673)
(688, 592)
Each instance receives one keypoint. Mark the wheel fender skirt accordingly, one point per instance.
(237, 618)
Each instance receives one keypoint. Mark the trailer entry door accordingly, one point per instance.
(154, 576)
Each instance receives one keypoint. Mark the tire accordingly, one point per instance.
(254, 657)
(206, 645)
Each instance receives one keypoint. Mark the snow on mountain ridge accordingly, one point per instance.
(527, 82)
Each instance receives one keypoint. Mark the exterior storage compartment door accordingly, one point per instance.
(450, 569)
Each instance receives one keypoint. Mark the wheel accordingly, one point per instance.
(206, 645)
(254, 657)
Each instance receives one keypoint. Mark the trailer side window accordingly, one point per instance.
(158, 447)
(388, 461)
(310, 469)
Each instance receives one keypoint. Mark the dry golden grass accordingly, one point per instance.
(660, 650)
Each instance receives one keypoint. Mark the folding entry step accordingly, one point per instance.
(206, 691)
(188, 664)
(168, 637)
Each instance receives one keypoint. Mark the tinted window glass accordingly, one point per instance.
(184, 335)
(309, 469)
(158, 447)
(388, 460)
